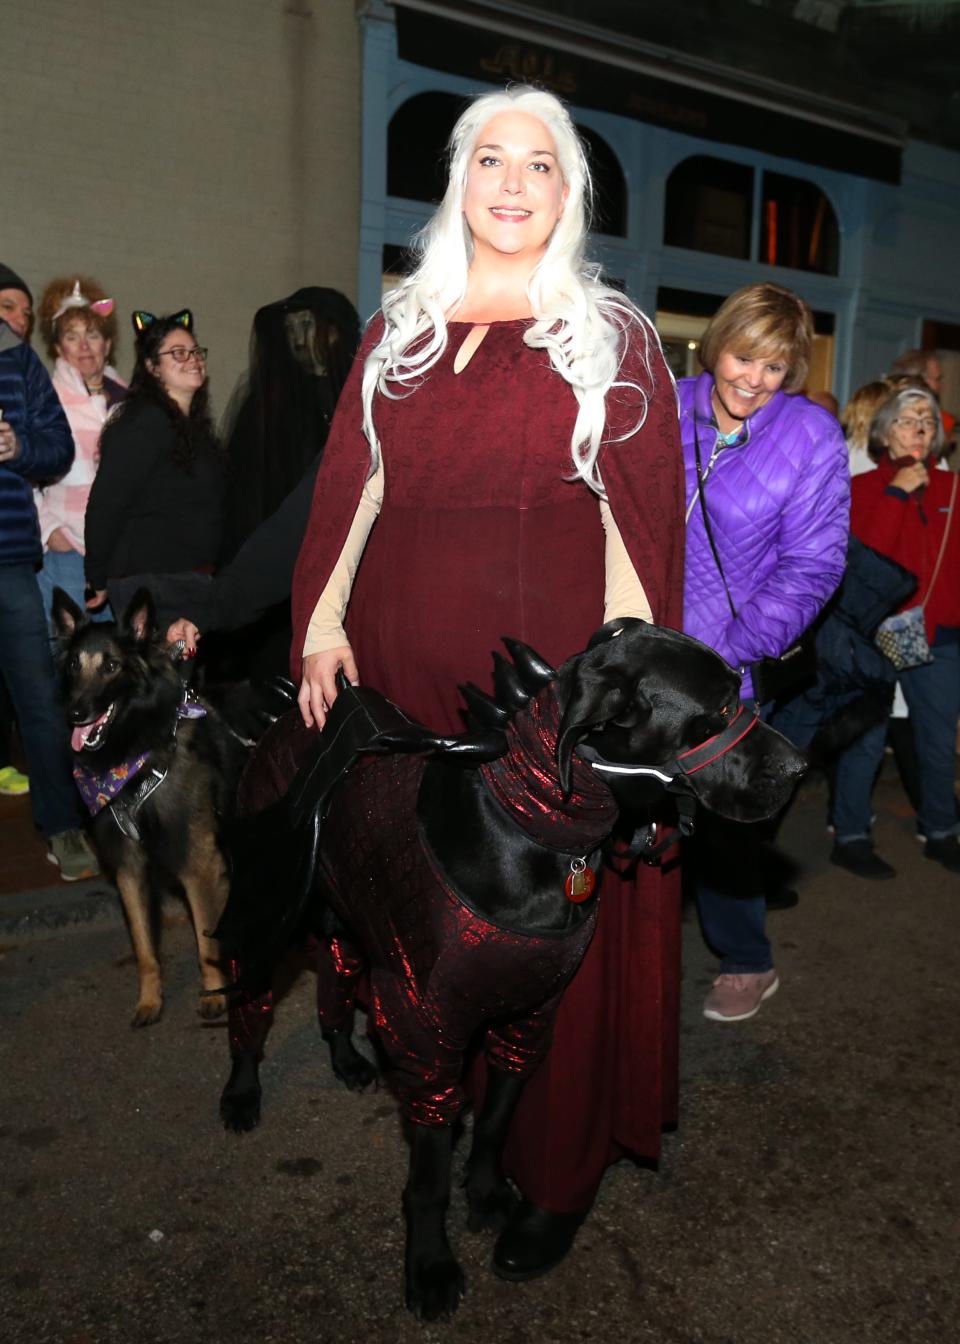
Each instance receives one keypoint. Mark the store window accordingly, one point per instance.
(417, 145)
(709, 203)
(798, 226)
(609, 185)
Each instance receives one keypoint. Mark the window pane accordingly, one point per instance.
(416, 145)
(798, 226)
(708, 206)
(609, 186)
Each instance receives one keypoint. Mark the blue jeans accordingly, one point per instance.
(932, 693)
(27, 670)
(856, 774)
(64, 569)
(730, 893)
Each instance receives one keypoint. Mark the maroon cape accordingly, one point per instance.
(482, 534)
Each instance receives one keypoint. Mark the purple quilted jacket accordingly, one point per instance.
(780, 512)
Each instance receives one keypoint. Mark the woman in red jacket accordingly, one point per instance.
(907, 510)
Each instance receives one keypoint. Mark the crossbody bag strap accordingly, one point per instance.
(943, 544)
(701, 482)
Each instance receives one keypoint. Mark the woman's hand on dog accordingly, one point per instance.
(188, 632)
(318, 690)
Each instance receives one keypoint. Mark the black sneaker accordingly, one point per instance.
(860, 857)
(945, 850)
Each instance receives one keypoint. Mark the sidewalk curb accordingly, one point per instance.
(55, 907)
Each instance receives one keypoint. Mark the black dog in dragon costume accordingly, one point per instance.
(462, 873)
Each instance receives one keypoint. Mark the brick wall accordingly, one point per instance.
(184, 154)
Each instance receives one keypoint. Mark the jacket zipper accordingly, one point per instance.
(717, 450)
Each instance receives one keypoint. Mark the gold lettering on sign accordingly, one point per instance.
(527, 64)
(639, 105)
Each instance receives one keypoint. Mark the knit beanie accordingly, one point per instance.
(10, 280)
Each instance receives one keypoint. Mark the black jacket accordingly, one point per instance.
(147, 513)
(854, 686)
(256, 579)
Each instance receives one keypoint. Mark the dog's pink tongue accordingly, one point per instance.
(78, 738)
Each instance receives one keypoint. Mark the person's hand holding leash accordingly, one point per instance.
(318, 690)
(188, 632)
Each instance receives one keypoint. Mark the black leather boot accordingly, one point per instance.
(534, 1241)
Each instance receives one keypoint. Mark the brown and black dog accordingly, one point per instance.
(158, 769)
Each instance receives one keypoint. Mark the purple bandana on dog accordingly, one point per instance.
(98, 789)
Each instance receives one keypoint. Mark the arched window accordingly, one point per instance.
(609, 185)
(416, 145)
(708, 206)
(798, 226)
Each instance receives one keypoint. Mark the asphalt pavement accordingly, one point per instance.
(809, 1196)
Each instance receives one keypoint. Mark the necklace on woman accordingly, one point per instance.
(95, 388)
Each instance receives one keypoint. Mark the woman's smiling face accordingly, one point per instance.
(742, 384)
(515, 190)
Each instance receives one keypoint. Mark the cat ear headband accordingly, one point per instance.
(102, 307)
(141, 320)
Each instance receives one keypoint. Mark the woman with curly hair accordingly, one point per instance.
(156, 505)
(79, 328)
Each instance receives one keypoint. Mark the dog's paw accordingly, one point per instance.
(240, 1111)
(489, 1209)
(212, 1006)
(240, 1098)
(358, 1075)
(147, 1012)
(354, 1071)
(434, 1289)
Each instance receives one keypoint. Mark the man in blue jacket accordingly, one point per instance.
(35, 446)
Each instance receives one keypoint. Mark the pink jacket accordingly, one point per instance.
(64, 502)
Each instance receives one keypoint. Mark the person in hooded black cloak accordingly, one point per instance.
(275, 428)
(276, 425)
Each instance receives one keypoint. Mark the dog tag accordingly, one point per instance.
(579, 883)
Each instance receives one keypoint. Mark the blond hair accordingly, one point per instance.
(762, 321)
(860, 410)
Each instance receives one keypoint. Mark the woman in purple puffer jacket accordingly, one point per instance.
(776, 486)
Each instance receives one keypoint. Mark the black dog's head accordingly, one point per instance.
(120, 688)
(642, 695)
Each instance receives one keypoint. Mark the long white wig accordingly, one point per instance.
(579, 321)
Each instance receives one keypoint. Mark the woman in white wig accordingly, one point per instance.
(505, 459)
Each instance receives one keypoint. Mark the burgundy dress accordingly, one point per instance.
(481, 535)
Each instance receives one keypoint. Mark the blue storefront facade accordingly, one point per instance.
(869, 218)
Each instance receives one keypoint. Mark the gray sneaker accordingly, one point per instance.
(72, 853)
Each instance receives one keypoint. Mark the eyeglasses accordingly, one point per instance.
(182, 354)
(928, 423)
